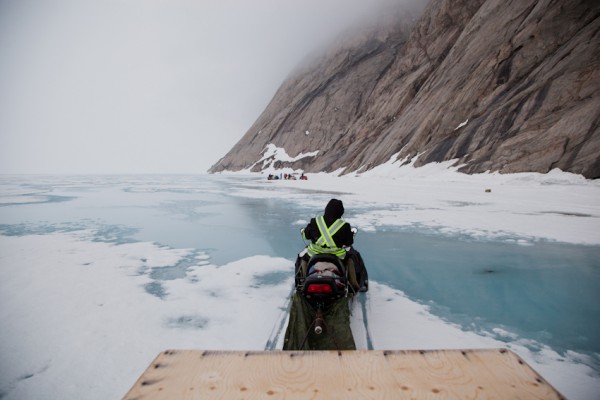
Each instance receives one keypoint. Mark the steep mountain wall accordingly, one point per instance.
(499, 85)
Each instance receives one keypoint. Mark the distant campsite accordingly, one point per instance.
(287, 177)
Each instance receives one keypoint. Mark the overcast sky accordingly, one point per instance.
(146, 86)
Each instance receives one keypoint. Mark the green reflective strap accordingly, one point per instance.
(325, 239)
(328, 232)
(336, 226)
(325, 244)
(314, 249)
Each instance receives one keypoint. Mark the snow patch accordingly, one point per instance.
(273, 153)
(462, 124)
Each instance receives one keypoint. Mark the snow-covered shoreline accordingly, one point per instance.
(557, 206)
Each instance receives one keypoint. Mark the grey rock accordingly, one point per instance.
(524, 75)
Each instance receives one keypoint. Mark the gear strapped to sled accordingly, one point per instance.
(325, 244)
(300, 334)
(326, 283)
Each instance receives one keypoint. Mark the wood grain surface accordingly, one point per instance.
(362, 374)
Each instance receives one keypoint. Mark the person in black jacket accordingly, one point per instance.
(333, 212)
(329, 234)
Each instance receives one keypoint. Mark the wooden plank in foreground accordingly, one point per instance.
(374, 374)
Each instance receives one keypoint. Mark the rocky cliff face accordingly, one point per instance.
(500, 85)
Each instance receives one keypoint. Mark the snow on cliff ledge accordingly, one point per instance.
(273, 154)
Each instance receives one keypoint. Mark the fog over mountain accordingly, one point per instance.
(509, 86)
(147, 86)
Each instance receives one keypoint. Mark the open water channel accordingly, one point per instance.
(542, 291)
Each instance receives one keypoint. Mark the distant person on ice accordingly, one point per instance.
(330, 225)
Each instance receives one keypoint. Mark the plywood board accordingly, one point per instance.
(362, 374)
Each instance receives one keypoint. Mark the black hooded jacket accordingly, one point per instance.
(333, 211)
